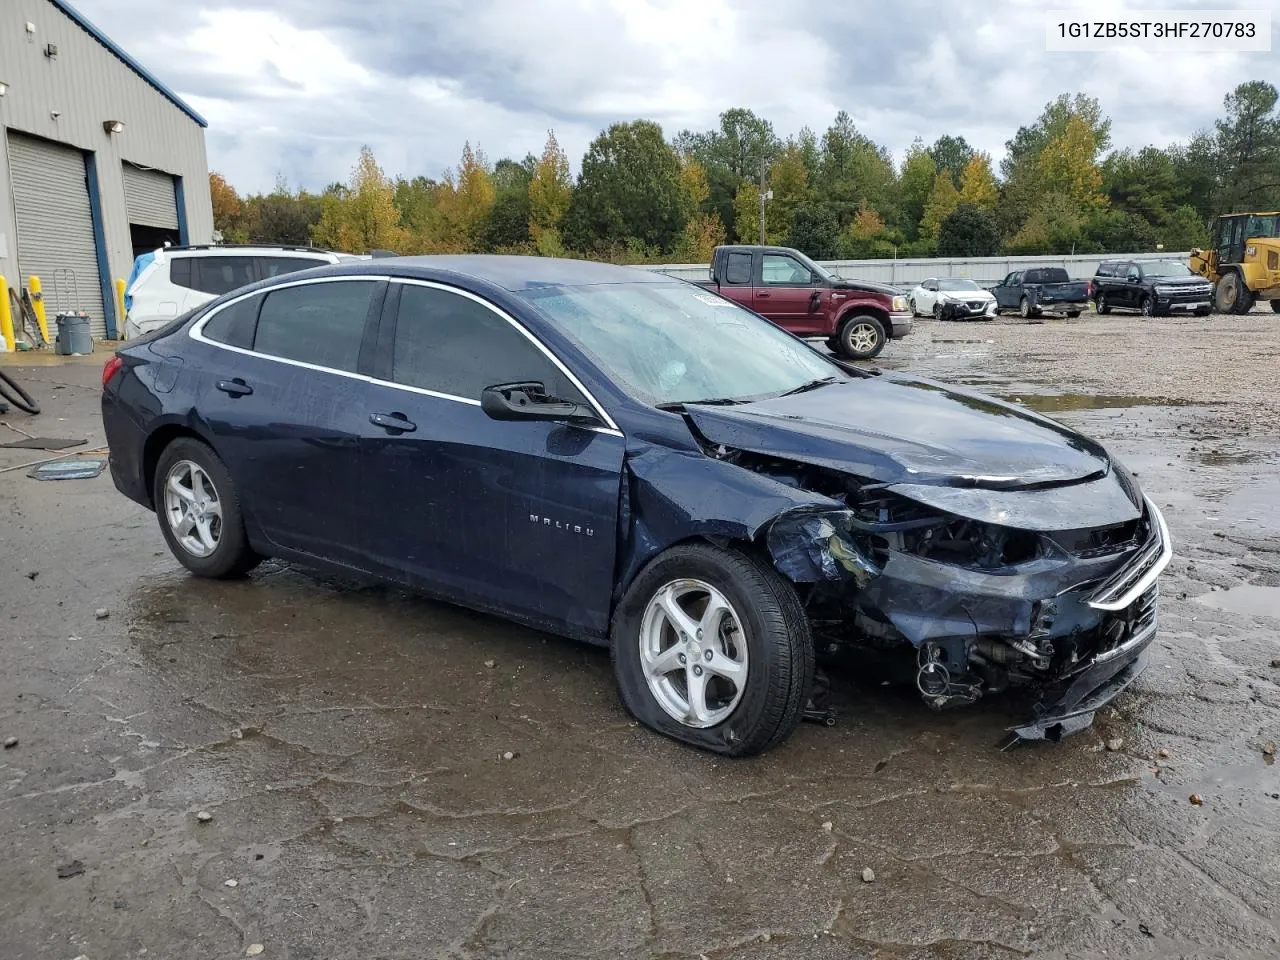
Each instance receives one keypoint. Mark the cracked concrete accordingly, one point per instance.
(349, 739)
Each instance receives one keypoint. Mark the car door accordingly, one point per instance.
(283, 397)
(928, 296)
(519, 517)
(785, 294)
(1007, 292)
(1132, 286)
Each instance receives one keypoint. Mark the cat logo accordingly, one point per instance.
(559, 525)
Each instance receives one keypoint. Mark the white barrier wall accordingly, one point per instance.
(985, 271)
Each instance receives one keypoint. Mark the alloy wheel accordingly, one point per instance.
(193, 508)
(863, 337)
(693, 652)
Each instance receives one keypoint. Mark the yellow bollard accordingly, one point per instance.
(6, 316)
(121, 333)
(37, 304)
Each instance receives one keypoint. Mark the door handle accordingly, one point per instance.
(762, 294)
(235, 388)
(393, 422)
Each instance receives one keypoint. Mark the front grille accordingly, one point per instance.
(977, 304)
(1191, 295)
(1123, 627)
(1144, 566)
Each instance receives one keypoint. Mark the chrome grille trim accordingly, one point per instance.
(1128, 583)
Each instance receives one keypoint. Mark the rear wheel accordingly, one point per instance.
(911, 305)
(861, 337)
(199, 511)
(1101, 304)
(712, 647)
(1026, 309)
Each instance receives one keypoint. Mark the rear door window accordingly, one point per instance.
(457, 346)
(276, 266)
(738, 269)
(234, 325)
(321, 323)
(219, 275)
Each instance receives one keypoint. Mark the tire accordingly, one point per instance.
(937, 310)
(1073, 314)
(1205, 311)
(1147, 307)
(776, 651)
(220, 549)
(1231, 294)
(1275, 305)
(861, 337)
(1101, 305)
(911, 305)
(1026, 310)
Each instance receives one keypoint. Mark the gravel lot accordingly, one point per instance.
(388, 777)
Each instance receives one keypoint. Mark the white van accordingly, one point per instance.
(172, 280)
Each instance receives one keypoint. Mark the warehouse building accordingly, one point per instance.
(99, 161)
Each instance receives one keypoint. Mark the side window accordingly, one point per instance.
(931, 284)
(1033, 276)
(1134, 273)
(784, 271)
(235, 325)
(1014, 280)
(320, 323)
(451, 344)
(219, 275)
(180, 272)
(738, 270)
(275, 266)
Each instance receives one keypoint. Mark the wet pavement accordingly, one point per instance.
(389, 777)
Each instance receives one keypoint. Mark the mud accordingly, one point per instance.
(351, 742)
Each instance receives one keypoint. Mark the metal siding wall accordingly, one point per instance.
(149, 197)
(55, 226)
(907, 273)
(87, 84)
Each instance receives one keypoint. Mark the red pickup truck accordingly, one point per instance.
(856, 317)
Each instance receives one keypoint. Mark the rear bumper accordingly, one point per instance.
(126, 443)
(900, 325)
(1062, 307)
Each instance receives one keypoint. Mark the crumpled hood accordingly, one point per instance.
(895, 428)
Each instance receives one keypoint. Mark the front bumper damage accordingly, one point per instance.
(1070, 628)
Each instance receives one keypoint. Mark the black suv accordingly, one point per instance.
(1151, 287)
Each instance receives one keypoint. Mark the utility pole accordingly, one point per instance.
(764, 195)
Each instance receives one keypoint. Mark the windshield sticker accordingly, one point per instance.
(711, 301)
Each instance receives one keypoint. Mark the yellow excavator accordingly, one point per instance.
(1244, 262)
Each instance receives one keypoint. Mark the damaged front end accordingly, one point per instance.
(1064, 612)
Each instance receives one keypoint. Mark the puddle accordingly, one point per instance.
(1053, 403)
(1250, 600)
(1220, 458)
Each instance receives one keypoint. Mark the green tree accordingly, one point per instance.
(746, 214)
(1196, 168)
(854, 169)
(1028, 142)
(550, 189)
(629, 189)
(978, 184)
(1055, 226)
(915, 183)
(506, 226)
(736, 150)
(951, 154)
(1182, 229)
(364, 216)
(969, 231)
(943, 199)
(1066, 166)
(1116, 231)
(815, 231)
(510, 175)
(1248, 146)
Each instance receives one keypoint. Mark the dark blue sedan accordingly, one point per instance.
(635, 461)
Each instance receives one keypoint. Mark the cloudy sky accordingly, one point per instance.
(294, 87)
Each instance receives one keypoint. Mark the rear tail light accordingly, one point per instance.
(111, 368)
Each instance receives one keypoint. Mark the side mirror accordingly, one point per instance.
(529, 401)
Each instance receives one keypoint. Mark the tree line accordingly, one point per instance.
(640, 197)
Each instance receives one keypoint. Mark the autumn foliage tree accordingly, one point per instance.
(364, 216)
(550, 190)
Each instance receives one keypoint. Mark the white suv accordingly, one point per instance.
(172, 280)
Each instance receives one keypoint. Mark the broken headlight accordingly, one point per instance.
(811, 545)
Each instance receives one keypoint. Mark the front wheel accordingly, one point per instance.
(1231, 295)
(1147, 307)
(199, 511)
(911, 305)
(861, 337)
(712, 647)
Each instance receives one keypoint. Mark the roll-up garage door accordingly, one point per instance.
(55, 226)
(149, 197)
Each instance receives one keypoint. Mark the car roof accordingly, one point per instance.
(513, 273)
(248, 249)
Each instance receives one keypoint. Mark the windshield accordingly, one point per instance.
(674, 343)
(957, 285)
(1165, 268)
(1262, 227)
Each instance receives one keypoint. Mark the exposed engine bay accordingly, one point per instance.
(989, 583)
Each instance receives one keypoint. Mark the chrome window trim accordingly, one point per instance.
(595, 405)
(197, 333)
